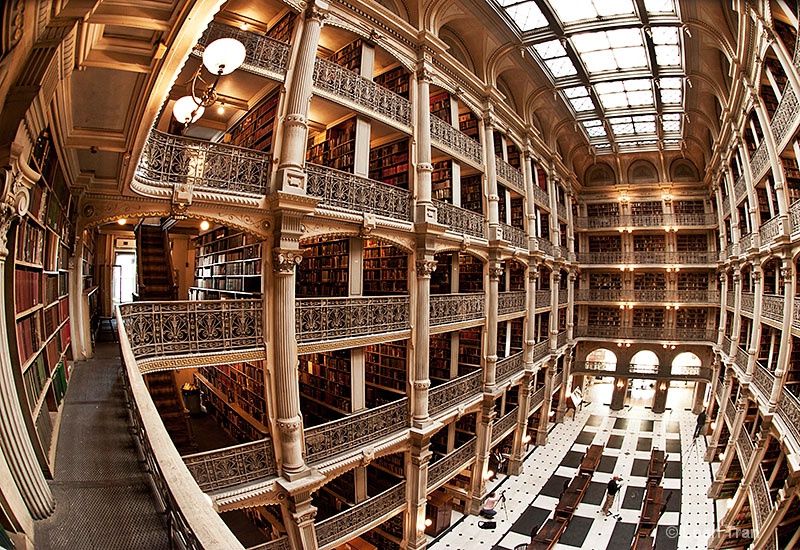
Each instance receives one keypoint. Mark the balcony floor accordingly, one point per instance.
(102, 496)
(629, 436)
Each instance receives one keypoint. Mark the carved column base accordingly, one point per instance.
(711, 450)
(561, 410)
(291, 180)
(475, 504)
(425, 213)
(541, 436)
(620, 391)
(515, 466)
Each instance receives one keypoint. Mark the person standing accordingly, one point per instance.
(701, 422)
(611, 493)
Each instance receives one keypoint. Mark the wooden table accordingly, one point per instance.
(548, 535)
(655, 469)
(643, 542)
(572, 496)
(652, 508)
(591, 459)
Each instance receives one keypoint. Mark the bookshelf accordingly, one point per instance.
(472, 193)
(335, 147)
(645, 208)
(324, 271)
(691, 317)
(649, 243)
(470, 273)
(605, 281)
(603, 243)
(649, 280)
(469, 350)
(518, 213)
(41, 350)
(514, 158)
(227, 264)
(234, 394)
(517, 334)
(325, 382)
(501, 203)
(440, 105)
(502, 332)
(516, 275)
(282, 29)
(688, 207)
(439, 351)
(465, 428)
(792, 376)
(691, 242)
(600, 316)
(602, 210)
(349, 56)
(468, 124)
(386, 366)
(441, 279)
(441, 181)
(389, 164)
(396, 80)
(385, 269)
(692, 280)
(648, 317)
(256, 129)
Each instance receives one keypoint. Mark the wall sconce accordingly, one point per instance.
(722, 455)
(122, 221)
(221, 57)
(428, 522)
(204, 225)
(526, 439)
(663, 386)
(620, 384)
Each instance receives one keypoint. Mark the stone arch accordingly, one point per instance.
(683, 170)
(457, 48)
(602, 360)
(686, 363)
(642, 171)
(600, 174)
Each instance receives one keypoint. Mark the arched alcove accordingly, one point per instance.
(644, 362)
(686, 364)
(601, 359)
(600, 174)
(642, 171)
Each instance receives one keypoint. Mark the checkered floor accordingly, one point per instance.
(629, 436)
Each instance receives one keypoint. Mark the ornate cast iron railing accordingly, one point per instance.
(563, 297)
(456, 141)
(540, 196)
(449, 394)
(794, 213)
(745, 445)
(334, 80)
(603, 295)
(764, 380)
(759, 160)
(277, 544)
(688, 219)
(355, 430)
(515, 236)
(351, 192)
(508, 366)
(561, 211)
(796, 313)
(543, 298)
(772, 306)
(453, 308)
(501, 426)
(265, 56)
(731, 299)
(685, 257)
(224, 468)
(761, 498)
(537, 398)
(558, 378)
(561, 338)
(785, 116)
(771, 229)
(333, 318)
(193, 527)
(168, 161)
(741, 360)
(650, 333)
(511, 302)
(730, 412)
(345, 525)
(510, 175)
(789, 410)
(594, 366)
(726, 207)
(748, 301)
(745, 243)
(542, 244)
(460, 220)
(720, 391)
(739, 189)
(192, 326)
(452, 463)
(727, 344)
(540, 349)
(601, 258)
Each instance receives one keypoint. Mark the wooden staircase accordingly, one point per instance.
(167, 399)
(154, 263)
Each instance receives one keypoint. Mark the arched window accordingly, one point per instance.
(686, 364)
(642, 171)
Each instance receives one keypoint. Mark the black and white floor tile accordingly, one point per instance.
(629, 436)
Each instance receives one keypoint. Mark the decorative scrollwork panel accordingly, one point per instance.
(449, 394)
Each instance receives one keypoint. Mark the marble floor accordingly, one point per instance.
(629, 436)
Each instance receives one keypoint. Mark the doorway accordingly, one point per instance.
(124, 277)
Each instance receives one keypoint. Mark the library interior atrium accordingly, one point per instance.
(327, 274)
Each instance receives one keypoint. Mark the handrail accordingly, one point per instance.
(194, 524)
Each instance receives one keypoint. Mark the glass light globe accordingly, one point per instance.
(223, 56)
(183, 109)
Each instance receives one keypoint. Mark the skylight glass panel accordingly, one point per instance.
(671, 97)
(582, 104)
(644, 124)
(551, 49)
(659, 6)
(578, 91)
(625, 93)
(561, 66)
(611, 50)
(671, 123)
(664, 35)
(594, 128)
(668, 56)
(622, 126)
(581, 10)
(526, 15)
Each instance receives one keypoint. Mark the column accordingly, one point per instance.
(711, 447)
(493, 213)
(788, 274)
(544, 416)
(698, 398)
(660, 396)
(521, 437)
(417, 488)
(299, 514)
(425, 212)
(426, 265)
(723, 317)
(555, 285)
(774, 159)
(755, 337)
(785, 496)
(737, 310)
(15, 441)
(291, 177)
(564, 392)
(730, 448)
(492, 296)
(619, 393)
(784, 56)
(483, 447)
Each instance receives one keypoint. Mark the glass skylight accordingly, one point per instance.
(580, 10)
(659, 6)
(667, 45)
(579, 98)
(622, 94)
(611, 50)
(555, 57)
(526, 14)
(594, 128)
(671, 91)
(671, 123)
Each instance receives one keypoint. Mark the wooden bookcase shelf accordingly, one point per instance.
(440, 105)
(605, 281)
(389, 163)
(691, 242)
(282, 30)
(650, 280)
(236, 395)
(468, 124)
(41, 349)
(465, 428)
(439, 351)
(691, 317)
(469, 350)
(256, 129)
(227, 263)
(470, 273)
(324, 270)
(646, 208)
(441, 181)
(692, 280)
(518, 213)
(386, 366)
(335, 147)
(396, 80)
(688, 207)
(648, 317)
(472, 193)
(649, 243)
(385, 269)
(325, 381)
(602, 209)
(604, 243)
(349, 56)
